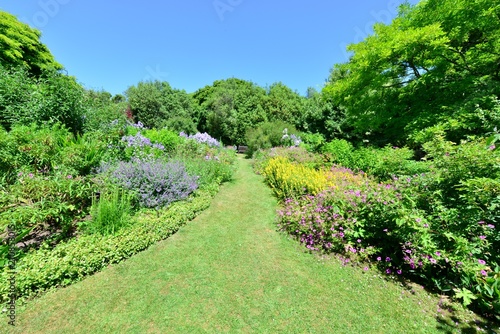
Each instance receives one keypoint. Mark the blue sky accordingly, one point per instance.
(191, 43)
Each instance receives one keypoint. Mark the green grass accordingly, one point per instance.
(230, 271)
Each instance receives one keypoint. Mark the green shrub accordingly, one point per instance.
(110, 212)
(267, 135)
(339, 152)
(165, 137)
(313, 142)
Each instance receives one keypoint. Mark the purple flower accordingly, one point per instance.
(426, 225)
(388, 271)
(399, 271)
(484, 273)
(418, 220)
(365, 268)
(433, 260)
(70, 176)
(482, 237)
(387, 259)
(359, 240)
(438, 253)
(481, 261)
(30, 175)
(480, 222)
(379, 258)
(491, 226)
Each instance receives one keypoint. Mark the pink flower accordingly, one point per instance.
(399, 272)
(70, 176)
(388, 271)
(438, 253)
(482, 237)
(379, 258)
(484, 273)
(481, 261)
(491, 226)
(365, 268)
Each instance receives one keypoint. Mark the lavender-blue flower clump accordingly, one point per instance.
(156, 182)
(204, 138)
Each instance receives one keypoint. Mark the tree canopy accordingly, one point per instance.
(20, 46)
(432, 67)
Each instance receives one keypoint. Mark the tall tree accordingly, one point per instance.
(229, 108)
(431, 68)
(20, 46)
(284, 104)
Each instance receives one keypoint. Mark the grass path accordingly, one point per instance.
(229, 271)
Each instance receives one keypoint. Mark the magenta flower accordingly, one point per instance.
(387, 259)
(359, 240)
(438, 253)
(418, 220)
(481, 261)
(491, 226)
(365, 268)
(480, 222)
(482, 237)
(379, 258)
(399, 272)
(433, 260)
(388, 271)
(70, 176)
(484, 273)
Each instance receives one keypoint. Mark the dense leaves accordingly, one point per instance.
(434, 65)
(20, 46)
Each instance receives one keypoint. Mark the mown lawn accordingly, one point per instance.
(230, 271)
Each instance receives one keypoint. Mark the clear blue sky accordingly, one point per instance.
(112, 45)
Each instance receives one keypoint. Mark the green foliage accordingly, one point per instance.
(382, 163)
(313, 142)
(340, 152)
(20, 46)
(50, 203)
(283, 104)
(229, 107)
(169, 139)
(53, 97)
(436, 64)
(267, 135)
(110, 212)
(157, 104)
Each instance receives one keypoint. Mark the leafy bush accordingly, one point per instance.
(267, 135)
(382, 163)
(53, 97)
(313, 142)
(48, 204)
(167, 138)
(157, 183)
(110, 212)
(340, 152)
